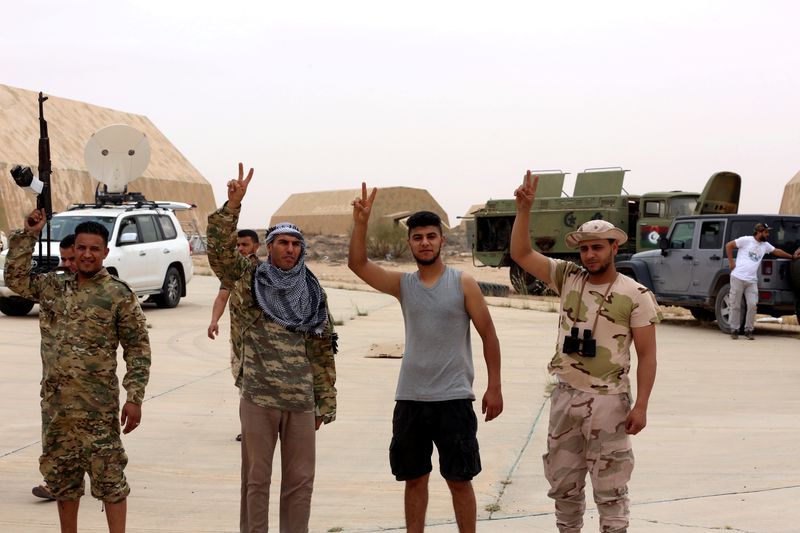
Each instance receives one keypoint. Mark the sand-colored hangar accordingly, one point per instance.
(790, 203)
(331, 212)
(170, 176)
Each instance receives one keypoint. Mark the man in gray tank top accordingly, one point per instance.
(434, 391)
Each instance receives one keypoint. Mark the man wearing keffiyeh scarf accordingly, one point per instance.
(284, 338)
(284, 288)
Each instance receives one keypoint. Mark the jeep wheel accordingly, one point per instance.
(171, 290)
(525, 283)
(797, 306)
(722, 309)
(703, 315)
(15, 306)
(794, 276)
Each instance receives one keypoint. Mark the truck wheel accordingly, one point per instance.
(171, 290)
(703, 315)
(15, 306)
(525, 283)
(493, 289)
(722, 309)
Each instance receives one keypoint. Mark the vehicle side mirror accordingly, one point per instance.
(663, 243)
(129, 238)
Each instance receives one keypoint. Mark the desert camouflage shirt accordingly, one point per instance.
(274, 367)
(81, 330)
(627, 305)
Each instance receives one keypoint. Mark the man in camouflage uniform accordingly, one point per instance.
(66, 250)
(591, 417)
(84, 318)
(281, 328)
(247, 245)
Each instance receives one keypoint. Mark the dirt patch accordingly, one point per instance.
(327, 258)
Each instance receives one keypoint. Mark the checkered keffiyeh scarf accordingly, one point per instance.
(292, 298)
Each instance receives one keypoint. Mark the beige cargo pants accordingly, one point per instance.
(587, 434)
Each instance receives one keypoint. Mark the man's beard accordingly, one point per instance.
(600, 269)
(428, 262)
(762, 238)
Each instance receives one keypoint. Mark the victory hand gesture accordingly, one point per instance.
(362, 207)
(238, 187)
(526, 192)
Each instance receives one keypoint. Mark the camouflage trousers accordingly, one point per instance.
(73, 446)
(587, 434)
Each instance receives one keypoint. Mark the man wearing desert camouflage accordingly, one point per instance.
(591, 417)
(86, 316)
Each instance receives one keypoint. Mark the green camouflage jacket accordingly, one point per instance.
(274, 367)
(81, 329)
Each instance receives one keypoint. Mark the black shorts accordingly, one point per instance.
(451, 425)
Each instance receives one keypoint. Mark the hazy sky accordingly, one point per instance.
(455, 97)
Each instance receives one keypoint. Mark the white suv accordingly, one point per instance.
(147, 249)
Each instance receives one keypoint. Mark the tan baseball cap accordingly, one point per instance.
(593, 230)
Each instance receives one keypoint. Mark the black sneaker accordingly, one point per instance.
(749, 335)
(734, 335)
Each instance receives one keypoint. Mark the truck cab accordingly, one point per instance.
(598, 194)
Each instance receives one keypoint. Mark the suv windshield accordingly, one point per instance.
(61, 226)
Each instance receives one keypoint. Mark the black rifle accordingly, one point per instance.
(24, 177)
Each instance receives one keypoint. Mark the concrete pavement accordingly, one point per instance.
(720, 451)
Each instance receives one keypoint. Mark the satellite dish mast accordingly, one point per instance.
(115, 156)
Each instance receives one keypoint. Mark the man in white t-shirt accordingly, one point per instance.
(744, 275)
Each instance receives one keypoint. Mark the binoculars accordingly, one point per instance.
(587, 346)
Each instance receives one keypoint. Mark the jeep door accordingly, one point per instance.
(675, 273)
(709, 255)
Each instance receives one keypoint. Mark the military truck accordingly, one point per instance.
(598, 194)
(691, 268)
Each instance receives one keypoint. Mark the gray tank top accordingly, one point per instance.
(437, 363)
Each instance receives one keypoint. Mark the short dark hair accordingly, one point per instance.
(93, 228)
(67, 242)
(248, 233)
(423, 218)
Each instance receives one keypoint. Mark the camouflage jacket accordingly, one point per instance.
(81, 329)
(277, 368)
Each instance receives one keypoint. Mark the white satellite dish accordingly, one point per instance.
(117, 155)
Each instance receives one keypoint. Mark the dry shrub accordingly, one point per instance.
(386, 240)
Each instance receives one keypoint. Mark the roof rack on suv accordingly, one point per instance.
(131, 205)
